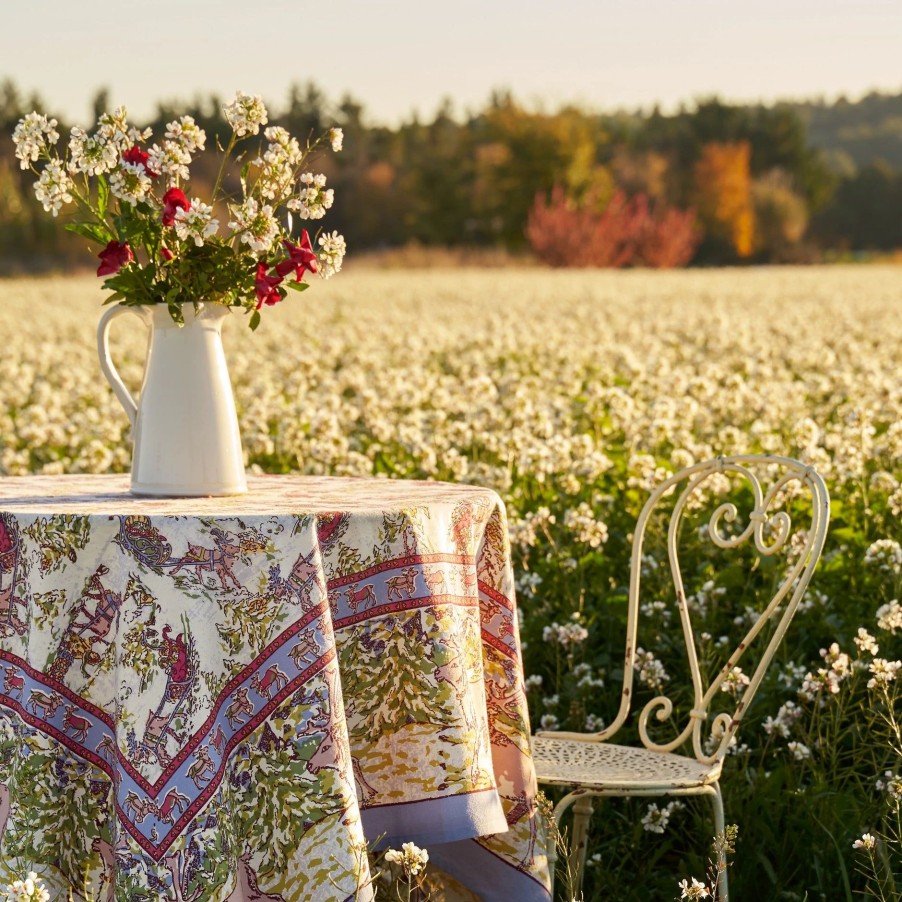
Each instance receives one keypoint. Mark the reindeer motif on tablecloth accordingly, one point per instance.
(219, 559)
(401, 585)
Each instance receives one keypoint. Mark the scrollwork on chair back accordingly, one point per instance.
(772, 532)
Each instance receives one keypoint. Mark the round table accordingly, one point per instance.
(227, 698)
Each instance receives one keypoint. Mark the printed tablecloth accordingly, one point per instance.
(227, 698)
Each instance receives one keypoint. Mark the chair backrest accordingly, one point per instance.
(772, 531)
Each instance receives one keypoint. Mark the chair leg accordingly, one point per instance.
(582, 813)
(723, 890)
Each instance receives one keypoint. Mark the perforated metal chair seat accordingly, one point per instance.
(607, 767)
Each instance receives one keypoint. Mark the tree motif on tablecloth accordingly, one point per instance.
(61, 802)
(386, 686)
(403, 532)
(59, 538)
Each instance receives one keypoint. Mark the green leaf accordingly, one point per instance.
(93, 232)
(255, 320)
(103, 195)
(298, 286)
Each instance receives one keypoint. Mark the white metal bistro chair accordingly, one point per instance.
(596, 767)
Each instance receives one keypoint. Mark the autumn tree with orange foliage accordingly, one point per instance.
(723, 195)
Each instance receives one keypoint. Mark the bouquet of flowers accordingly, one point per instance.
(159, 246)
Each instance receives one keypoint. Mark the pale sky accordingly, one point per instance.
(398, 56)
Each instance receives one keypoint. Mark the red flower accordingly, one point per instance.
(113, 257)
(300, 258)
(174, 199)
(165, 253)
(138, 157)
(265, 287)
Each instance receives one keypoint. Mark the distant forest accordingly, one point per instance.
(713, 183)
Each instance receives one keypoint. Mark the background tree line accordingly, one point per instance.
(711, 183)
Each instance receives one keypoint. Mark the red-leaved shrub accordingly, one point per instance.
(629, 231)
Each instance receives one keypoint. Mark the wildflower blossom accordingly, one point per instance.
(314, 199)
(781, 725)
(586, 528)
(255, 223)
(33, 135)
(412, 858)
(867, 842)
(332, 253)
(655, 819)
(651, 671)
(27, 890)
(866, 642)
(187, 133)
(799, 750)
(734, 682)
(113, 128)
(694, 890)
(884, 554)
(54, 188)
(130, 183)
(91, 154)
(246, 114)
(892, 785)
(336, 136)
(883, 672)
(171, 160)
(889, 616)
(196, 222)
(568, 635)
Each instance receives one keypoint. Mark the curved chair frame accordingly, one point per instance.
(655, 769)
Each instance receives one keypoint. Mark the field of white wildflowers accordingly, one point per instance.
(572, 394)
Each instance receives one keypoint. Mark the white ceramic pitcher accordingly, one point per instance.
(184, 426)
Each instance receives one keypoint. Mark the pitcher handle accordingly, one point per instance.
(106, 362)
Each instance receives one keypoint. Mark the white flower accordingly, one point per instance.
(867, 842)
(187, 133)
(788, 714)
(197, 222)
(336, 136)
(91, 154)
(257, 225)
(549, 722)
(884, 554)
(130, 183)
(53, 188)
(113, 128)
(28, 890)
(866, 642)
(889, 616)
(656, 819)
(172, 159)
(331, 255)
(651, 670)
(33, 136)
(413, 859)
(246, 113)
(587, 529)
(568, 635)
(312, 201)
(891, 785)
(735, 682)
(799, 750)
(695, 890)
(883, 672)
